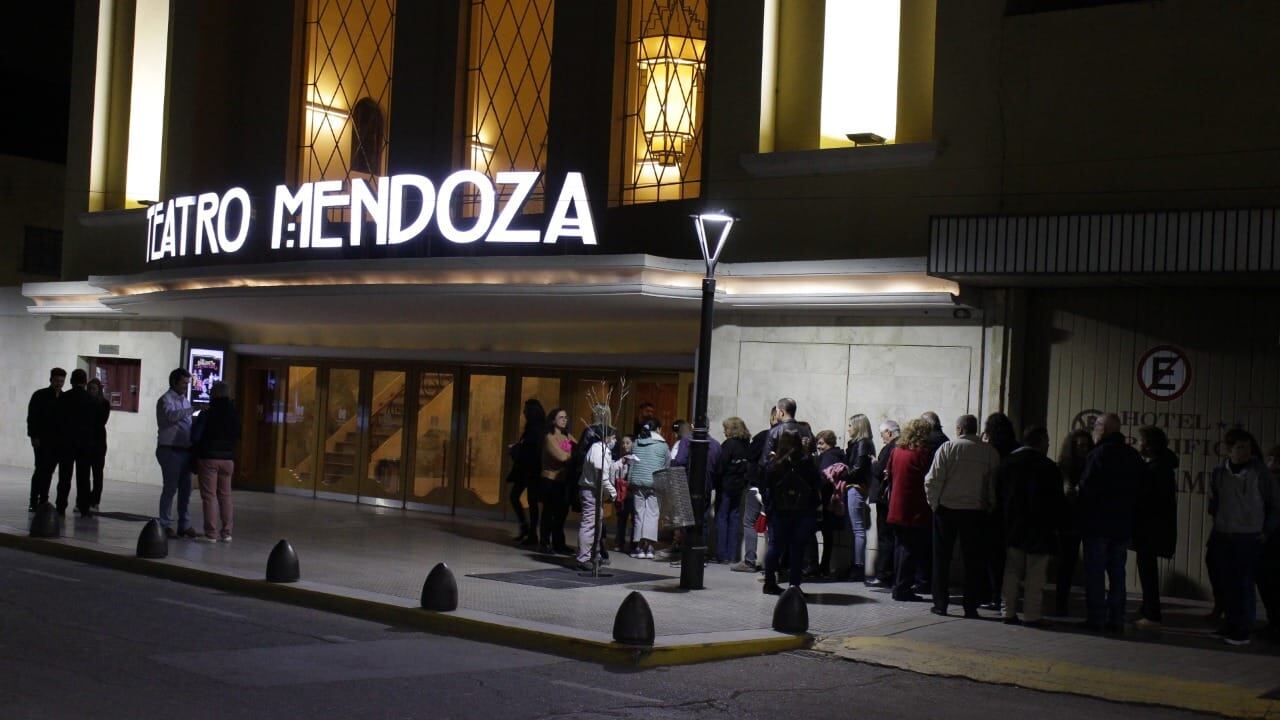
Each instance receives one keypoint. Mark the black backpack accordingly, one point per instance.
(792, 493)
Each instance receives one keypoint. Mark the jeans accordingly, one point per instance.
(751, 507)
(175, 468)
(857, 511)
(1031, 570)
(46, 461)
(790, 534)
(1149, 578)
(1236, 563)
(969, 528)
(80, 462)
(1104, 557)
(911, 551)
(215, 496)
(728, 526)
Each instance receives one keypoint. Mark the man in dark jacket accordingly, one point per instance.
(1029, 486)
(78, 426)
(786, 422)
(1109, 485)
(1155, 531)
(42, 428)
(937, 438)
(879, 494)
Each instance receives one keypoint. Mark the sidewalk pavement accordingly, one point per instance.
(372, 561)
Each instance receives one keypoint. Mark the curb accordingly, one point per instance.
(1054, 676)
(467, 624)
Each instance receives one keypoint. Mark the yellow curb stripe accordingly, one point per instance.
(1054, 676)
(668, 650)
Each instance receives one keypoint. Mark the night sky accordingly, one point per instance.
(35, 72)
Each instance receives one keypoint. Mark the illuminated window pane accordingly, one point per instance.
(509, 90)
(665, 87)
(859, 70)
(346, 89)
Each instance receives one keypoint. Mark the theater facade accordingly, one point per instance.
(389, 223)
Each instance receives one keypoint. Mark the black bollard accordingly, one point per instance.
(633, 624)
(440, 591)
(282, 565)
(791, 615)
(152, 542)
(44, 524)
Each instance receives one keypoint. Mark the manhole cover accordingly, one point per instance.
(566, 579)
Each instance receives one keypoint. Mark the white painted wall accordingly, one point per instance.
(29, 346)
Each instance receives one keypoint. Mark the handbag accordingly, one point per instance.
(762, 523)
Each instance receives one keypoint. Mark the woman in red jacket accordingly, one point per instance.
(909, 513)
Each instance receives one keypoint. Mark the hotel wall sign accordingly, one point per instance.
(399, 208)
(1164, 373)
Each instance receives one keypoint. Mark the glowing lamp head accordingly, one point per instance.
(718, 221)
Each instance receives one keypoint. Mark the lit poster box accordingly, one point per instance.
(206, 368)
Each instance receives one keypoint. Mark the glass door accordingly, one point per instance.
(383, 480)
(433, 435)
(483, 450)
(340, 449)
(299, 417)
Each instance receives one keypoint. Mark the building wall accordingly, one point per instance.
(30, 195)
(836, 367)
(33, 345)
(1081, 356)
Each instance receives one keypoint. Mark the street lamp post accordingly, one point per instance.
(694, 552)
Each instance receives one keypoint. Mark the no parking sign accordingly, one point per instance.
(1164, 373)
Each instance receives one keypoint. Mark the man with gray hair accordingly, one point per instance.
(878, 495)
(960, 490)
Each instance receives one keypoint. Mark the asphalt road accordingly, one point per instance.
(78, 641)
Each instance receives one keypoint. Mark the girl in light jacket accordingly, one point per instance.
(652, 455)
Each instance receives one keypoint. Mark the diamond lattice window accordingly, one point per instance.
(509, 90)
(663, 100)
(347, 89)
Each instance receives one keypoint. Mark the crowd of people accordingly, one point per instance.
(68, 432)
(1013, 509)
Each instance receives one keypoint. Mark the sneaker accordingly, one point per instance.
(648, 554)
(1146, 624)
(772, 589)
(206, 539)
(1236, 640)
(743, 566)
(638, 554)
(94, 508)
(225, 539)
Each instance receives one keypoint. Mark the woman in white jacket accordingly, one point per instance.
(597, 466)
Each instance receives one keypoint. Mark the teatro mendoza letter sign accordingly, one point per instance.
(212, 223)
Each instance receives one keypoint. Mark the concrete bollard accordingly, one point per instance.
(633, 625)
(152, 543)
(791, 615)
(440, 591)
(282, 565)
(44, 524)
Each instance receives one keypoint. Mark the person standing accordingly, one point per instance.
(215, 433)
(597, 467)
(1155, 532)
(1244, 501)
(1109, 485)
(909, 513)
(1071, 458)
(786, 414)
(791, 499)
(1032, 502)
(77, 422)
(557, 451)
(831, 500)
(623, 511)
(878, 494)
(99, 460)
(937, 438)
(652, 455)
(961, 493)
(526, 466)
(997, 432)
(753, 499)
(860, 456)
(42, 428)
(729, 476)
(173, 453)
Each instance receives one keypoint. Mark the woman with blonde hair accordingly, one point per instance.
(909, 512)
(859, 455)
(729, 478)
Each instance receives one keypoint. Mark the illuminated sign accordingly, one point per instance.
(399, 208)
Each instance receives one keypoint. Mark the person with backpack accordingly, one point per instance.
(729, 479)
(792, 484)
